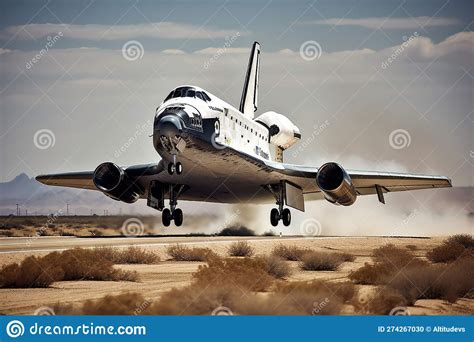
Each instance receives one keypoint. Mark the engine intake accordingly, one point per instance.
(336, 184)
(114, 182)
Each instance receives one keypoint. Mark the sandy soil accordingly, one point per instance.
(167, 274)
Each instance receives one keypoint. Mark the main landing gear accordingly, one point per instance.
(175, 167)
(280, 213)
(173, 213)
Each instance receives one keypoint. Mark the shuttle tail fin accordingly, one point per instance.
(248, 102)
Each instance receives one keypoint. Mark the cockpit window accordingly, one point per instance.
(188, 92)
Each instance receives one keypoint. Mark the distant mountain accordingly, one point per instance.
(41, 199)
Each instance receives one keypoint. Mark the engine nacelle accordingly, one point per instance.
(114, 182)
(336, 184)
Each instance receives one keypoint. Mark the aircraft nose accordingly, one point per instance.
(169, 126)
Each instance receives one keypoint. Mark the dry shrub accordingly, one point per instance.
(184, 253)
(346, 257)
(31, 272)
(244, 273)
(73, 264)
(236, 231)
(449, 282)
(454, 247)
(291, 253)
(276, 266)
(381, 303)
(241, 249)
(320, 261)
(135, 255)
(411, 247)
(388, 260)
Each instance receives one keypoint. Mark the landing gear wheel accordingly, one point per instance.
(178, 217)
(286, 216)
(171, 168)
(166, 217)
(274, 217)
(179, 168)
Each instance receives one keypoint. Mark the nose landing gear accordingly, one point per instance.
(175, 167)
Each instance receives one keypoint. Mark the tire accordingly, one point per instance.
(178, 217)
(274, 217)
(166, 217)
(171, 168)
(179, 168)
(286, 217)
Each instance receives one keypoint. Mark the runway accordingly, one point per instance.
(14, 245)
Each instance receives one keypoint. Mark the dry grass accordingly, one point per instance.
(388, 260)
(184, 253)
(73, 264)
(247, 273)
(452, 248)
(298, 298)
(381, 302)
(130, 255)
(241, 249)
(276, 266)
(321, 261)
(449, 282)
(290, 253)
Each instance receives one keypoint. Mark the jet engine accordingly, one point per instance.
(112, 180)
(336, 184)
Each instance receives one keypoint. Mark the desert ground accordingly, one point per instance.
(165, 275)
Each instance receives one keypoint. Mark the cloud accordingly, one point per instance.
(387, 22)
(216, 50)
(173, 52)
(163, 30)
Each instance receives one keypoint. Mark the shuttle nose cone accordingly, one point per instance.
(169, 126)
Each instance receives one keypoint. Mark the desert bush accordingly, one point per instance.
(347, 257)
(236, 231)
(73, 264)
(320, 261)
(449, 282)
(411, 247)
(381, 302)
(184, 253)
(276, 266)
(135, 255)
(388, 260)
(240, 249)
(291, 253)
(466, 240)
(244, 273)
(454, 247)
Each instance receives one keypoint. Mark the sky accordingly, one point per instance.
(377, 85)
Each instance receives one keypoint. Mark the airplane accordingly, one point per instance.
(213, 152)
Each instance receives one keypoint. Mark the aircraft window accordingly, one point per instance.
(190, 93)
(199, 95)
(206, 97)
(169, 96)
